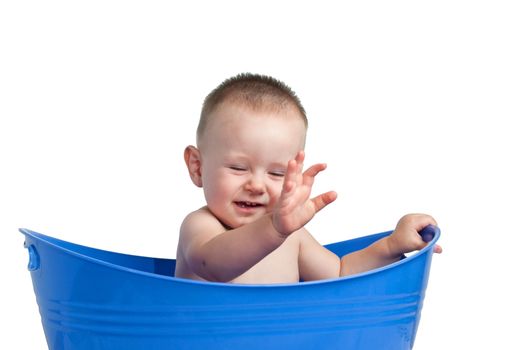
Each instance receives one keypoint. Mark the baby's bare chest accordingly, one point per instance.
(280, 266)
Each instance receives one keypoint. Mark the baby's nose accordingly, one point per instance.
(255, 185)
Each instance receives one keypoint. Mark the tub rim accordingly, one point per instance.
(45, 240)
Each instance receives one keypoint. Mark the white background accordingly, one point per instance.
(416, 106)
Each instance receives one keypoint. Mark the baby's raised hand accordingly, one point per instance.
(405, 238)
(295, 208)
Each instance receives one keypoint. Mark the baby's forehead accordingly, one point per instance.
(263, 137)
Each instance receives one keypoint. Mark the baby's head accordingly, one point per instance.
(250, 127)
(253, 92)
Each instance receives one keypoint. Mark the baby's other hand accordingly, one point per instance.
(295, 207)
(405, 238)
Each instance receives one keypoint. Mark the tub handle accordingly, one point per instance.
(428, 233)
(34, 258)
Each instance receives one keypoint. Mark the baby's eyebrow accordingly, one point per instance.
(279, 166)
(235, 157)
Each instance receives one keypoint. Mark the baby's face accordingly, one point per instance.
(244, 156)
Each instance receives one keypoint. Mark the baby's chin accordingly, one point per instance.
(234, 224)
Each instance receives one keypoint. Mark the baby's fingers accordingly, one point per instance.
(300, 160)
(290, 173)
(290, 182)
(324, 199)
(309, 174)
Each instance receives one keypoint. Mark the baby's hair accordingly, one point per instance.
(250, 90)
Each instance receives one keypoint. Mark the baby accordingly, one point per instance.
(249, 161)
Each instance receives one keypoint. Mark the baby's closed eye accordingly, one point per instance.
(237, 168)
(277, 173)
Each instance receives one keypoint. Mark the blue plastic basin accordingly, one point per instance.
(95, 299)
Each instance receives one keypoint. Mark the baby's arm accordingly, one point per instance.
(404, 239)
(216, 254)
(316, 262)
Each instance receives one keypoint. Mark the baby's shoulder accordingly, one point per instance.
(201, 213)
(200, 219)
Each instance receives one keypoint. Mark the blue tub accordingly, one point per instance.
(95, 299)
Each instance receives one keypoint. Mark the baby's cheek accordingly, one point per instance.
(274, 195)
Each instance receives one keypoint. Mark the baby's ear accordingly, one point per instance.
(193, 161)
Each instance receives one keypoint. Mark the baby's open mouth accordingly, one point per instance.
(244, 204)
